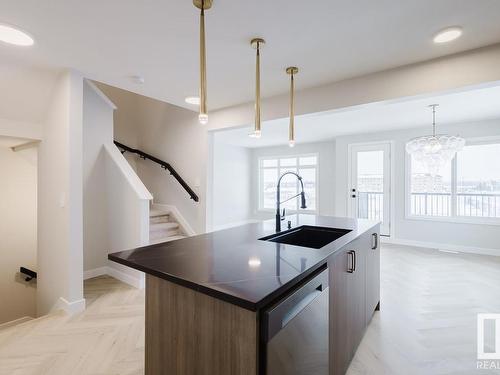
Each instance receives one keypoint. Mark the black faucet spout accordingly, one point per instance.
(302, 199)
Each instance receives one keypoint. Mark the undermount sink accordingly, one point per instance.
(307, 236)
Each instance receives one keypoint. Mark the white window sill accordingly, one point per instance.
(456, 220)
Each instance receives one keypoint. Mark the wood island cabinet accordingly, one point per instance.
(192, 333)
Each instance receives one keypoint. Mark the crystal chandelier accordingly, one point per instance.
(436, 150)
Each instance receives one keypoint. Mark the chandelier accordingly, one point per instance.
(436, 150)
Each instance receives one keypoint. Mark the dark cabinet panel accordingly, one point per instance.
(341, 325)
(354, 295)
(347, 321)
(372, 275)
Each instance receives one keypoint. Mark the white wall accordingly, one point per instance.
(473, 68)
(127, 213)
(172, 134)
(60, 212)
(18, 185)
(462, 236)
(326, 173)
(116, 203)
(97, 131)
(231, 189)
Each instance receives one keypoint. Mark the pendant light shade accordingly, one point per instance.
(291, 71)
(436, 150)
(257, 43)
(203, 5)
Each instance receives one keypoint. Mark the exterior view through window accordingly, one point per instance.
(271, 168)
(468, 187)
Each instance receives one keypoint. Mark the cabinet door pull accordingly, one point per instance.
(354, 257)
(351, 261)
(374, 241)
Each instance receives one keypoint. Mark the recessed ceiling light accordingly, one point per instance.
(11, 35)
(448, 34)
(195, 100)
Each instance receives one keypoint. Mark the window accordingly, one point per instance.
(430, 194)
(467, 188)
(271, 168)
(478, 181)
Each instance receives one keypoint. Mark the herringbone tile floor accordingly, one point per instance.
(426, 326)
(106, 339)
(428, 318)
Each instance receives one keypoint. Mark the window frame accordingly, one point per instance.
(453, 218)
(260, 168)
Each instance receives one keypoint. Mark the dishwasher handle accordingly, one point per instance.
(279, 315)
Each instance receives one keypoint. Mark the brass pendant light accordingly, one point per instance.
(257, 43)
(203, 5)
(291, 71)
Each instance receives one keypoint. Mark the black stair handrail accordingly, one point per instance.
(163, 164)
(30, 275)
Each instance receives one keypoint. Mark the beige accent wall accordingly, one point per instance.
(18, 185)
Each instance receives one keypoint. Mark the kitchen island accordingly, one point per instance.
(215, 302)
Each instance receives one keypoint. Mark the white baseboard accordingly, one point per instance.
(186, 228)
(72, 307)
(441, 246)
(137, 280)
(95, 273)
(15, 322)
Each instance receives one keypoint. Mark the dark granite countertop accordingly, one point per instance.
(235, 266)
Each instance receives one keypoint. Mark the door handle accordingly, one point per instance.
(351, 261)
(374, 241)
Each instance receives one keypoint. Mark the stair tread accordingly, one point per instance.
(154, 212)
(162, 226)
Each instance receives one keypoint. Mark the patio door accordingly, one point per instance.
(370, 183)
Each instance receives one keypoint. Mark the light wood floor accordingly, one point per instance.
(427, 323)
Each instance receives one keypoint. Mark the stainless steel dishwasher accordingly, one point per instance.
(296, 330)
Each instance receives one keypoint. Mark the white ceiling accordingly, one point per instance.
(329, 40)
(467, 106)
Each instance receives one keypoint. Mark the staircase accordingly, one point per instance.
(163, 227)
